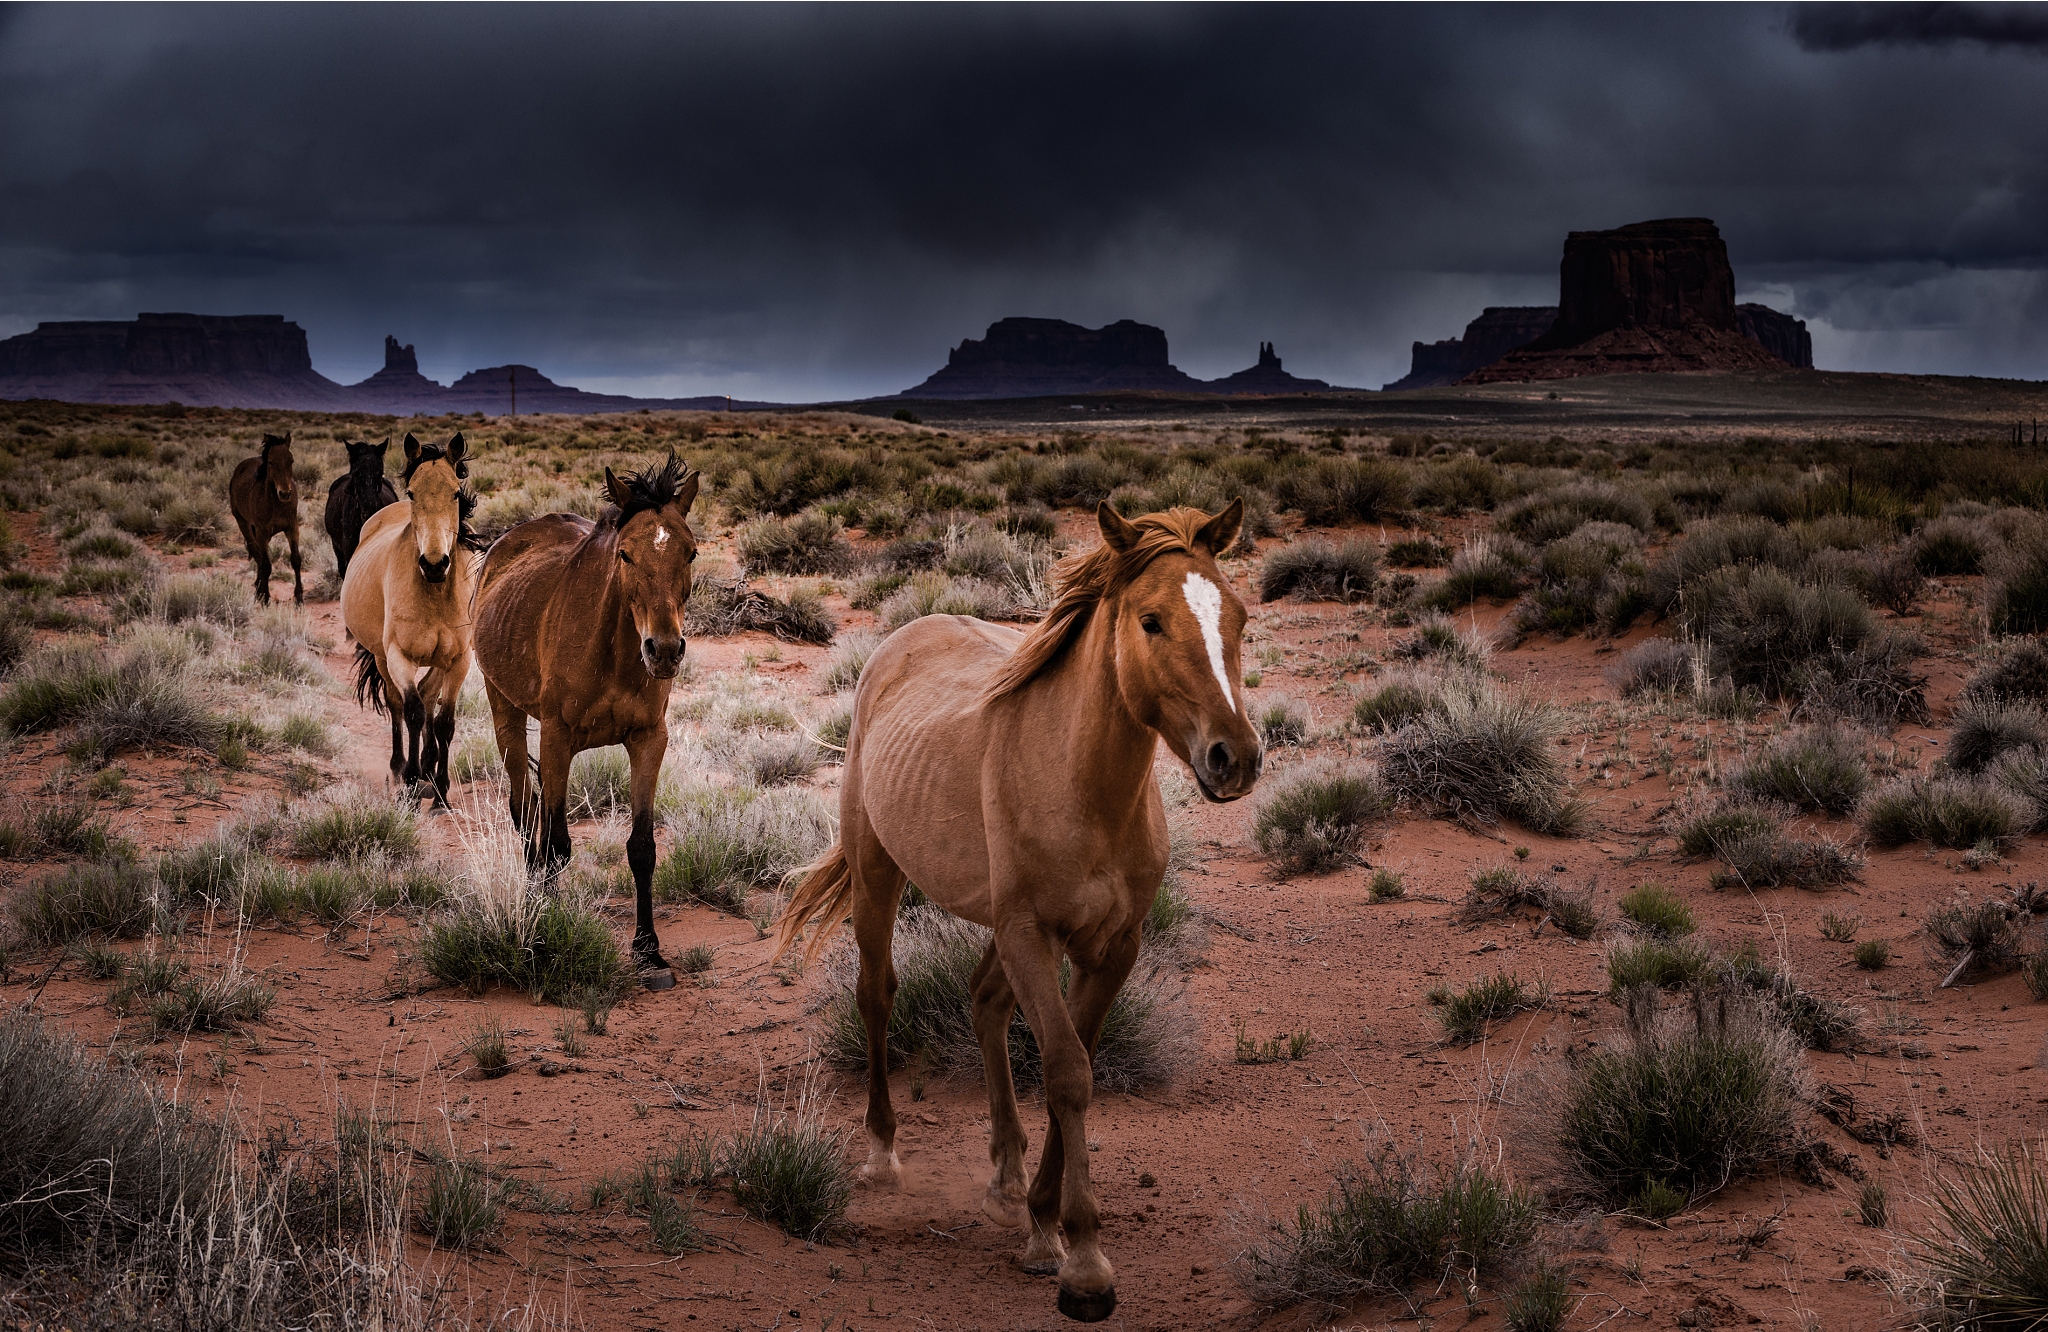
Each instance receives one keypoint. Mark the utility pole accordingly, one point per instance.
(512, 378)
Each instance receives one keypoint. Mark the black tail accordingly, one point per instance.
(369, 681)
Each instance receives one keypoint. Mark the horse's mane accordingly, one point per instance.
(270, 442)
(655, 487)
(1086, 579)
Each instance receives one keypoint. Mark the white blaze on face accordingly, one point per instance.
(1205, 599)
(660, 536)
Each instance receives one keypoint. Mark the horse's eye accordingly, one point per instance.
(1151, 624)
(691, 558)
(624, 558)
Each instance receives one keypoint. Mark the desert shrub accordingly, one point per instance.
(1761, 628)
(1436, 638)
(1424, 552)
(144, 697)
(791, 1171)
(600, 782)
(1392, 1224)
(936, 594)
(1335, 490)
(1813, 769)
(1692, 1110)
(1594, 576)
(177, 598)
(1551, 514)
(1748, 836)
(1983, 729)
(1986, 1246)
(842, 669)
(835, 727)
(1282, 723)
(354, 825)
(1394, 702)
(1655, 665)
(1484, 755)
(2017, 671)
(1982, 936)
(721, 606)
(728, 841)
(1655, 908)
(460, 1204)
(1872, 954)
(1717, 544)
(540, 945)
(2024, 773)
(809, 543)
(1467, 1014)
(95, 1153)
(1386, 886)
(17, 634)
(112, 898)
(1315, 569)
(799, 479)
(1147, 1038)
(2016, 584)
(1487, 566)
(777, 759)
(1541, 1302)
(1951, 545)
(1502, 889)
(219, 1001)
(1667, 964)
(69, 827)
(1310, 820)
(1458, 485)
(1958, 811)
(208, 870)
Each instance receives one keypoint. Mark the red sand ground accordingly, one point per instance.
(1227, 1146)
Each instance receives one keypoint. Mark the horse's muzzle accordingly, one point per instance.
(1224, 771)
(662, 657)
(435, 571)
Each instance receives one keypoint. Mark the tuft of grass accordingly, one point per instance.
(1837, 928)
(1283, 1048)
(600, 782)
(1986, 1246)
(1953, 545)
(114, 899)
(1386, 886)
(1873, 1206)
(2016, 584)
(1657, 909)
(729, 841)
(1749, 839)
(1655, 666)
(1951, 811)
(1398, 700)
(1661, 963)
(1692, 1109)
(461, 1205)
(1980, 937)
(1282, 723)
(354, 826)
(1658, 1201)
(1495, 567)
(697, 959)
(1540, 1302)
(1390, 1224)
(1984, 729)
(1872, 954)
(937, 594)
(2017, 671)
(1818, 769)
(544, 946)
(789, 1170)
(1467, 1014)
(849, 658)
(1311, 820)
(304, 731)
(1424, 552)
(1317, 569)
(1436, 639)
(810, 543)
(1484, 755)
(487, 1046)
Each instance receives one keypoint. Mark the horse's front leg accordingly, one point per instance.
(645, 749)
(551, 829)
(447, 691)
(404, 677)
(995, 1003)
(291, 535)
(259, 553)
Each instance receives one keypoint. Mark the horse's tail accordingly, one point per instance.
(369, 681)
(824, 898)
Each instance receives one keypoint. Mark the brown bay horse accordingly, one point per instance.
(354, 496)
(1010, 775)
(265, 501)
(579, 624)
(406, 601)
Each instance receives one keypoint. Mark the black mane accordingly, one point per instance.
(428, 453)
(654, 488)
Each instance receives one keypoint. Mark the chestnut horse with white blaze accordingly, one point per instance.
(580, 625)
(406, 600)
(1010, 775)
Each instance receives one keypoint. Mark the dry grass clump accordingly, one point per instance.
(1436, 640)
(1982, 729)
(1390, 1225)
(1502, 889)
(2016, 672)
(1282, 723)
(354, 824)
(1985, 1249)
(1311, 819)
(1550, 515)
(1148, 1037)
(1952, 811)
(143, 697)
(499, 927)
(1335, 490)
(111, 898)
(1952, 545)
(1423, 552)
(1466, 1015)
(1721, 543)
(849, 658)
(1657, 910)
(940, 594)
(1816, 769)
(2016, 583)
(1484, 755)
(1749, 837)
(1967, 937)
(1396, 699)
(1655, 666)
(728, 841)
(1317, 569)
(790, 1170)
(1594, 577)
(810, 543)
(1687, 1102)
(1494, 566)
(723, 605)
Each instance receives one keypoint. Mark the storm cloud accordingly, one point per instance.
(806, 203)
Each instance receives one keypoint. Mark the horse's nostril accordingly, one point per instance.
(651, 648)
(1219, 757)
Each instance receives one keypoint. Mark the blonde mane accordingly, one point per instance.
(1087, 579)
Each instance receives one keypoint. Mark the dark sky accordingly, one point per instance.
(802, 203)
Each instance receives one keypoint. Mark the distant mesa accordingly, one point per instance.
(1036, 358)
(262, 361)
(1649, 298)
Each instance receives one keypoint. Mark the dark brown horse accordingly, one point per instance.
(580, 625)
(354, 496)
(1010, 776)
(265, 501)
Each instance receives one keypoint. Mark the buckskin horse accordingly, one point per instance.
(579, 624)
(1010, 776)
(406, 600)
(265, 501)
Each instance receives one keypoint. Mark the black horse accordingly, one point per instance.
(354, 496)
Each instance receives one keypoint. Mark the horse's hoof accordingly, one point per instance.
(1042, 1267)
(661, 979)
(1088, 1307)
(1005, 1210)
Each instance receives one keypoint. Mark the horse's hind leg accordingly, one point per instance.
(291, 535)
(259, 555)
(551, 830)
(877, 890)
(995, 1003)
(645, 749)
(509, 724)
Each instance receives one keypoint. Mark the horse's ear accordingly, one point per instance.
(412, 449)
(1216, 535)
(686, 493)
(615, 490)
(1117, 534)
(385, 445)
(456, 451)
